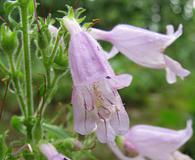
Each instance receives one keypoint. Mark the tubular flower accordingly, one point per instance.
(96, 103)
(158, 143)
(144, 47)
(51, 153)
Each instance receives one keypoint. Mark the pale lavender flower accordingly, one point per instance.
(144, 47)
(96, 103)
(53, 30)
(51, 153)
(158, 143)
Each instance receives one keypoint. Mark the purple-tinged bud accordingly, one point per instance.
(51, 153)
(53, 30)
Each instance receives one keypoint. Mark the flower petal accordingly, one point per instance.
(170, 76)
(151, 141)
(121, 81)
(84, 121)
(51, 153)
(87, 62)
(144, 47)
(53, 30)
(172, 34)
(104, 132)
(174, 69)
(59, 157)
(120, 119)
(114, 51)
(48, 150)
(179, 156)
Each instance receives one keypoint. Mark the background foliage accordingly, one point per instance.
(149, 99)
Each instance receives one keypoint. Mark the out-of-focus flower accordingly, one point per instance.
(144, 47)
(51, 153)
(53, 30)
(158, 143)
(96, 102)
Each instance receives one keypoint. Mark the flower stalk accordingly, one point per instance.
(27, 60)
(17, 87)
(27, 71)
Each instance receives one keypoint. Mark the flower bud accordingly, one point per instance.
(51, 153)
(9, 40)
(43, 39)
(61, 59)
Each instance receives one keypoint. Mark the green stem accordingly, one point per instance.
(3, 68)
(27, 60)
(19, 60)
(17, 87)
(47, 69)
(44, 102)
(48, 77)
(51, 59)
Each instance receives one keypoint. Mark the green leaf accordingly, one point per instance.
(79, 11)
(55, 130)
(80, 20)
(17, 124)
(70, 11)
(31, 7)
(9, 6)
(3, 147)
(37, 130)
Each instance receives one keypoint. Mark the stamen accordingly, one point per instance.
(99, 102)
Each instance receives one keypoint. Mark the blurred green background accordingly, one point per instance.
(149, 99)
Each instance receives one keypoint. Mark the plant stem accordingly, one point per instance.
(3, 68)
(27, 71)
(51, 59)
(44, 102)
(27, 61)
(17, 87)
(48, 77)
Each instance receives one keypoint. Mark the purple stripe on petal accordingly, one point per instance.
(104, 131)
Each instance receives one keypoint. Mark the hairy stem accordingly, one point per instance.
(3, 68)
(48, 77)
(27, 61)
(46, 100)
(17, 87)
(27, 71)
